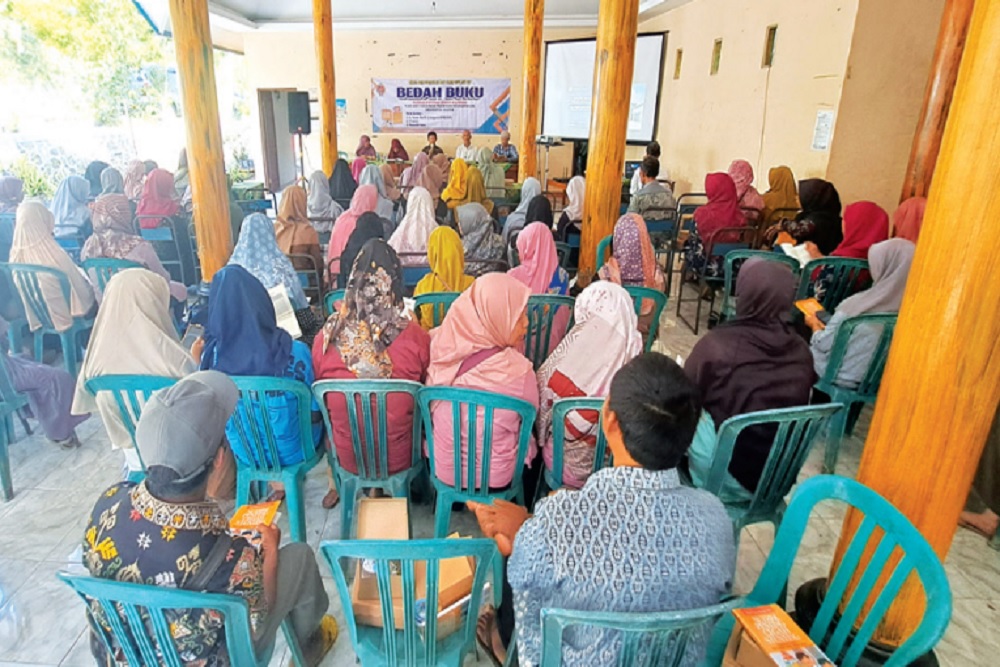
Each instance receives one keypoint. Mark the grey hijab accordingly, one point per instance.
(372, 175)
(478, 238)
(112, 182)
(516, 220)
(889, 263)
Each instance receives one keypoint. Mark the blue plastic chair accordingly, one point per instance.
(10, 403)
(332, 299)
(842, 276)
(28, 279)
(140, 626)
(438, 302)
(309, 278)
(366, 402)
(744, 238)
(867, 389)
(542, 333)
(101, 269)
(256, 437)
(650, 639)
(639, 294)
(603, 250)
(732, 264)
(415, 643)
(796, 431)
(131, 393)
(561, 409)
(845, 623)
(470, 484)
(413, 275)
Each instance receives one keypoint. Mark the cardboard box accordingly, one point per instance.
(768, 637)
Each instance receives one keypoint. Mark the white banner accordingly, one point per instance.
(442, 105)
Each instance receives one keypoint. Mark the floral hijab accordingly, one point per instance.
(257, 251)
(113, 235)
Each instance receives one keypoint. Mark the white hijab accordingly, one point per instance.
(416, 226)
(574, 192)
(34, 243)
(321, 204)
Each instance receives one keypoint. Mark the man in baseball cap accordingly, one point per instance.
(164, 530)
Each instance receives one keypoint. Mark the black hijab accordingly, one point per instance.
(370, 226)
(93, 176)
(539, 210)
(342, 185)
(821, 207)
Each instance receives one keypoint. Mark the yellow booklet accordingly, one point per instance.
(249, 517)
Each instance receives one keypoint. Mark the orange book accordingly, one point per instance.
(809, 306)
(249, 517)
(773, 632)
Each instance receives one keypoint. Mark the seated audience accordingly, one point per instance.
(539, 268)
(391, 189)
(342, 183)
(721, 212)
(478, 347)
(11, 193)
(133, 335)
(432, 149)
(754, 362)
(865, 223)
(516, 221)
(416, 227)
(493, 175)
(742, 174)
(819, 220)
(889, 262)
(475, 190)
(370, 226)
(604, 337)
(365, 200)
(652, 150)
(571, 220)
(357, 167)
(443, 163)
(909, 218)
(615, 545)
(446, 257)
(365, 148)
(654, 200)
(295, 235)
(539, 210)
(165, 530)
(135, 176)
(182, 177)
(372, 175)
(780, 199)
(71, 209)
(483, 246)
(372, 337)
(505, 151)
(397, 152)
(417, 176)
(159, 199)
(454, 194)
(92, 174)
(466, 151)
(321, 205)
(633, 262)
(112, 182)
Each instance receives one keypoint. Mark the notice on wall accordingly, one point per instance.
(442, 105)
(823, 131)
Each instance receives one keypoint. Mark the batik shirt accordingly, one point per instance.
(631, 540)
(509, 154)
(134, 537)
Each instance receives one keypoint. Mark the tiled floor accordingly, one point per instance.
(42, 622)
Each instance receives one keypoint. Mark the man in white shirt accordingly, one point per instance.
(652, 150)
(466, 151)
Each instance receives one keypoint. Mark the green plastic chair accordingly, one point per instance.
(867, 389)
(10, 403)
(469, 483)
(843, 277)
(131, 393)
(734, 260)
(438, 302)
(603, 250)
(28, 280)
(796, 430)
(101, 269)
(744, 238)
(845, 624)
(140, 624)
(542, 332)
(365, 402)
(648, 639)
(639, 294)
(331, 300)
(554, 478)
(256, 438)
(173, 250)
(417, 643)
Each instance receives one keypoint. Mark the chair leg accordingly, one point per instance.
(442, 514)
(296, 507)
(68, 340)
(242, 489)
(834, 437)
(6, 485)
(348, 498)
(39, 345)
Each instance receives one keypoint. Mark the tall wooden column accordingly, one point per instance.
(206, 162)
(937, 98)
(534, 16)
(942, 383)
(323, 35)
(617, 24)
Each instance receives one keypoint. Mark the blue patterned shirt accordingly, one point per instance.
(509, 154)
(630, 540)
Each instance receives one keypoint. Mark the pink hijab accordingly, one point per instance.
(909, 218)
(742, 174)
(364, 200)
(539, 260)
(357, 167)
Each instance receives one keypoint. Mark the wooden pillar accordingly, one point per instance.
(323, 34)
(206, 162)
(937, 98)
(942, 382)
(531, 99)
(617, 24)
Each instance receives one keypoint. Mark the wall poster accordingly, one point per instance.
(444, 105)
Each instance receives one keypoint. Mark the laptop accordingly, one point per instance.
(631, 167)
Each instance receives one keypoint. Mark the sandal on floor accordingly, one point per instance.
(488, 637)
(331, 499)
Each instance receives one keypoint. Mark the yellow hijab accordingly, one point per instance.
(446, 258)
(781, 194)
(454, 193)
(475, 191)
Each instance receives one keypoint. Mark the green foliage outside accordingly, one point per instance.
(36, 183)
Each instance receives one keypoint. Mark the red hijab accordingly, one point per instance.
(159, 197)
(722, 209)
(865, 224)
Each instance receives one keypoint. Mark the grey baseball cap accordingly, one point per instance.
(182, 426)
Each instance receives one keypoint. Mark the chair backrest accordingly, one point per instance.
(438, 302)
(563, 252)
(475, 429)
(366, 414)
(726, 240)
(140, 626)
(885, 551)
(649, 639)
(561, 409)
(417, 642)
(164, 230)
(131, 392)
(796, 430)
(734, 261)
(252, 421)
(170, 247)
(867, 388)
(309, 277)
(102, 269)
(542, 332)
(27, 278)
(413, 275)
(844, 276)
(640, 294)
(603, 249)
(689, 202)
(660, 220)
(331, 300)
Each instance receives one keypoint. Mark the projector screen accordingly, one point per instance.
(569, 85)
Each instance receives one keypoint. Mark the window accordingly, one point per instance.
(677, 63)
(769, 39)
(716, 57)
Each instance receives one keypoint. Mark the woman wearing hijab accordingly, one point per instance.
(742, 174)
(133, 335)
(342, 183)
(780, 197)
(721, 211)
(571, 219)
(321, 204)
(604, 338)
(112, 182)
(909, 218)
(357, 167)
(371, 337)
(294, 233)
(257, 251)
(446, 258)
(633, 262)
(365, 148)
(92, 174)
(11, 193)
(475, 191)
(756, 361)
(397, 152)
(389, 178)
(34, 243)
(454, 194)
(819, 220)
(159, 199)
(416, 227)
(364, 201)
(482, 245)
(372, 175)
(516, 221)
(478, 347)
(182, 178)
(889, 262)
(539, 268)
(494, 179)
(412, 174)
(242, 338)
(865, 224)
(135, 176)
(369, 227)
(443, 163)
(115, 238)
(71, 208)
